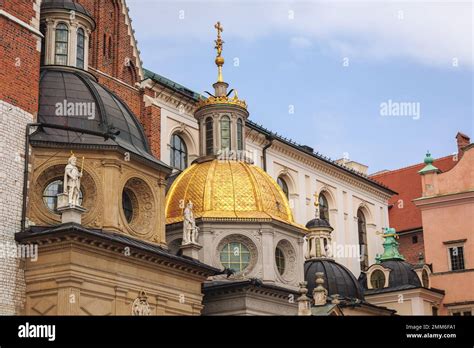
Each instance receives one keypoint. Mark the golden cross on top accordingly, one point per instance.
(219, 41)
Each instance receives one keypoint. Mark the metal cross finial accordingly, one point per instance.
(219, 41)
(219, 29)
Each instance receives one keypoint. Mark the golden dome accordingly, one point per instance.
(227, 190)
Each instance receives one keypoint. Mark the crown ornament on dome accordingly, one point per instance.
(220, 96)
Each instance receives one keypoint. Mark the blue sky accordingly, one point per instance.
(333, 62)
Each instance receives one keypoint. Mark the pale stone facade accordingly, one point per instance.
(12, 145)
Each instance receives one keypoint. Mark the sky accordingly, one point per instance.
(378, 82)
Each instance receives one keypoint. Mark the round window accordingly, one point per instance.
(50, 195)
(235, 256)
(280, 260)
(127, 205)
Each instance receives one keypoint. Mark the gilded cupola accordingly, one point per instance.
(223, 183)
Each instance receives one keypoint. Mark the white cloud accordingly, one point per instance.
(300, 42)
(431, 33)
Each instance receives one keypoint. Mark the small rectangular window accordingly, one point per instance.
(414, 239)
(456, 255)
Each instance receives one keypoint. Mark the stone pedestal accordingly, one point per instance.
(191, 250)
(69, 213)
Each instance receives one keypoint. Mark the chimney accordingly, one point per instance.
(463, 140)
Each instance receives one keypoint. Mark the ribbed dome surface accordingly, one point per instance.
(337, 278)
(402, 274)
(227, 189)
(77, 88)
(66, 5)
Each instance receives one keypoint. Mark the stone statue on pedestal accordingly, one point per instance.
(72, 181)
(190, 230)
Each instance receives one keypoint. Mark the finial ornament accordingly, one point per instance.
(390, 246)
(219, 59)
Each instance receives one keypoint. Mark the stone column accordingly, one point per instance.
(112, 172)
(69, 290)
(50, 41)
(268, 257)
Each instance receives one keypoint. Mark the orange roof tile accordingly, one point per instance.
(403, 214)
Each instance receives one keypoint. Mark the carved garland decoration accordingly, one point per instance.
(144, 209)
(91, 199)
(289, 275)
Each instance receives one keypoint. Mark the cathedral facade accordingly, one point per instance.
(133, 195)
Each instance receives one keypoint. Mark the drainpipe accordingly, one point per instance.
(25, 172)
(264, 151)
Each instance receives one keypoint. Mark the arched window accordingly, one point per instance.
(110, 47)
(61, 47)
(225, 133)
(80, 48)
(377, 279)
(323, 207)
(104, 47)
(425, 279)
(362, 231)
(178, 152)
(209, 136)
(240, 129)
(283, 185)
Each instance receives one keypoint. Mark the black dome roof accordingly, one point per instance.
(63, 84)
(318, 223)
(66, 5)
(402, 274)
(337, 278)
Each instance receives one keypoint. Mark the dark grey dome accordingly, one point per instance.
(337, 279)
(402, 274)
(318, 223)
(70, 5)
(62, 84)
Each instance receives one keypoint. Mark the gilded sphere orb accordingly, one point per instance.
(219, 60)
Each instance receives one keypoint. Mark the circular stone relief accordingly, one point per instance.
(138, 208)
(50, 181)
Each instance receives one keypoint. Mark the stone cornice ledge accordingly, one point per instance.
(116, 243)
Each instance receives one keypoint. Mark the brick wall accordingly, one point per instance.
(19, 79)
(409, 249)
(111, 57)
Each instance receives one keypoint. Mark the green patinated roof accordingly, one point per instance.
(196, 96)
(171, 84)
(390, 247)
